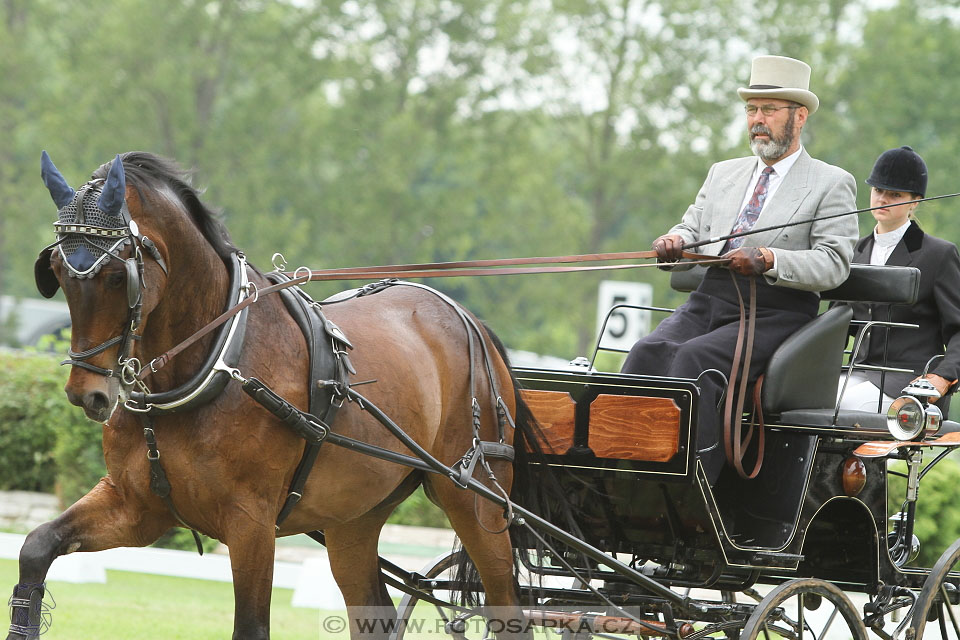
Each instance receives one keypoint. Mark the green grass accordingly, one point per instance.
(135, 605)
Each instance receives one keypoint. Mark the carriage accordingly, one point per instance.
(774, 555)
(602, 500)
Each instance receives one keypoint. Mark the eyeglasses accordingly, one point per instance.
(767, 109)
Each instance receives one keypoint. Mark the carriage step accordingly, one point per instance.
(773, 556)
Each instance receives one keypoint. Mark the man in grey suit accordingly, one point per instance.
(780, 183)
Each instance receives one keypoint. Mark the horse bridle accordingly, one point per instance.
(126, 235)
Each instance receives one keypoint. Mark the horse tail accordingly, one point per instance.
(535, 485)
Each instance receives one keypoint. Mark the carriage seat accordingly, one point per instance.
(800, 383)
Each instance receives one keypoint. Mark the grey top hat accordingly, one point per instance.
(780, 77)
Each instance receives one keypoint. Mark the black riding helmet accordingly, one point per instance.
(900, 170)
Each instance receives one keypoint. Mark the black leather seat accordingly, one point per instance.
(800, 384)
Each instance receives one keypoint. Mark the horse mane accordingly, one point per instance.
(147, 170)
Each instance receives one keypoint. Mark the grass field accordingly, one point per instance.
(135, 605)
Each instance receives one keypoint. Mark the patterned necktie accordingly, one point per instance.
(748, 217)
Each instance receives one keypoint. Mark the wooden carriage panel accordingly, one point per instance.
(634, 428)
(555, 411)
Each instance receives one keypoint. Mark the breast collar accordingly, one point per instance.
(223, 358)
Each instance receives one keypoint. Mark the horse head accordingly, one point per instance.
(99, 262)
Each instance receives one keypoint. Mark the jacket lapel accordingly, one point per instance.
(861, 253)
(902, 255)
(733, 189)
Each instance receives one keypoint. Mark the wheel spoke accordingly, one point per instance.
(826, 627)
(953, 615)
(772, 616)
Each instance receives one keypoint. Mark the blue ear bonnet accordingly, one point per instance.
(59, 189)
(92, 221)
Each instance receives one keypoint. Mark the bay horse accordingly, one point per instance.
(144, 264)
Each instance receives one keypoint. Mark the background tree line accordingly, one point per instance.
(354, 132)
(357, 132)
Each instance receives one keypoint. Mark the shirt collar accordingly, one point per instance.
(890, 238)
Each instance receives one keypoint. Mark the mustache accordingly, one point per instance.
(758, 129)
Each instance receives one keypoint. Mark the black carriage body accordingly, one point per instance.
(793, 520)
(646, 496)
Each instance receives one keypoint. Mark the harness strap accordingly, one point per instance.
(307, 426)
(735, 444)
(159, 484)
(300, 475)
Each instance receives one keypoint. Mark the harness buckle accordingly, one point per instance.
(130, 405)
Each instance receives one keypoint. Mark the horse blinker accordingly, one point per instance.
(47, 283)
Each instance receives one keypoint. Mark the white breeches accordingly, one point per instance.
(862, 395)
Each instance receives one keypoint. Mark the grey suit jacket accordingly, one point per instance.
(811, 257)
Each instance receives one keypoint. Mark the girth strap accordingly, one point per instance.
(327, 378)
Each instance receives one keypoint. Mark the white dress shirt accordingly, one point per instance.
(780, 169)
(883, 243)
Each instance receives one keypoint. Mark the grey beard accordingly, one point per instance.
(770, 149)
(774, 148)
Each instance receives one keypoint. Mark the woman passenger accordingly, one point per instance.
(898, 176)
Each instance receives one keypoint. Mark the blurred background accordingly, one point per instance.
(358, 132)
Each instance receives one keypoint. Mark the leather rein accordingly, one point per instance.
(494, 267)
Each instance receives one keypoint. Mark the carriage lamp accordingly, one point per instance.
(912, 413)
(853, 475)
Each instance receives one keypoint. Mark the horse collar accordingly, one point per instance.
(219, 366)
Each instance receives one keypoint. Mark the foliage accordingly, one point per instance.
(35, 422)
(183, 540)
(938, 521)
(418, 511)
(889, 93)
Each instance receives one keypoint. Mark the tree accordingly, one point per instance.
(891, 93)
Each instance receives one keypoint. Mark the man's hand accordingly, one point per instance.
(749, 261)
(669, 247)
(941, 384)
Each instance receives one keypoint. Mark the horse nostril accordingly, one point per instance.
(95, 401)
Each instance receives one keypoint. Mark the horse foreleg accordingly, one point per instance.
(103, 519)
(252, 545)
(354, 562)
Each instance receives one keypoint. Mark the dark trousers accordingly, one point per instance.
(702, 334)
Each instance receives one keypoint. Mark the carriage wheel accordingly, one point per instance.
(805, 608)
(939, 602)
(453, 622)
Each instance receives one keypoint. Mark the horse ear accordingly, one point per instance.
(114, 190)
(59, 189)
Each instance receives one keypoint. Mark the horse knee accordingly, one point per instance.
(39, 550)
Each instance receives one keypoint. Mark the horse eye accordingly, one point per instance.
(114, 280)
